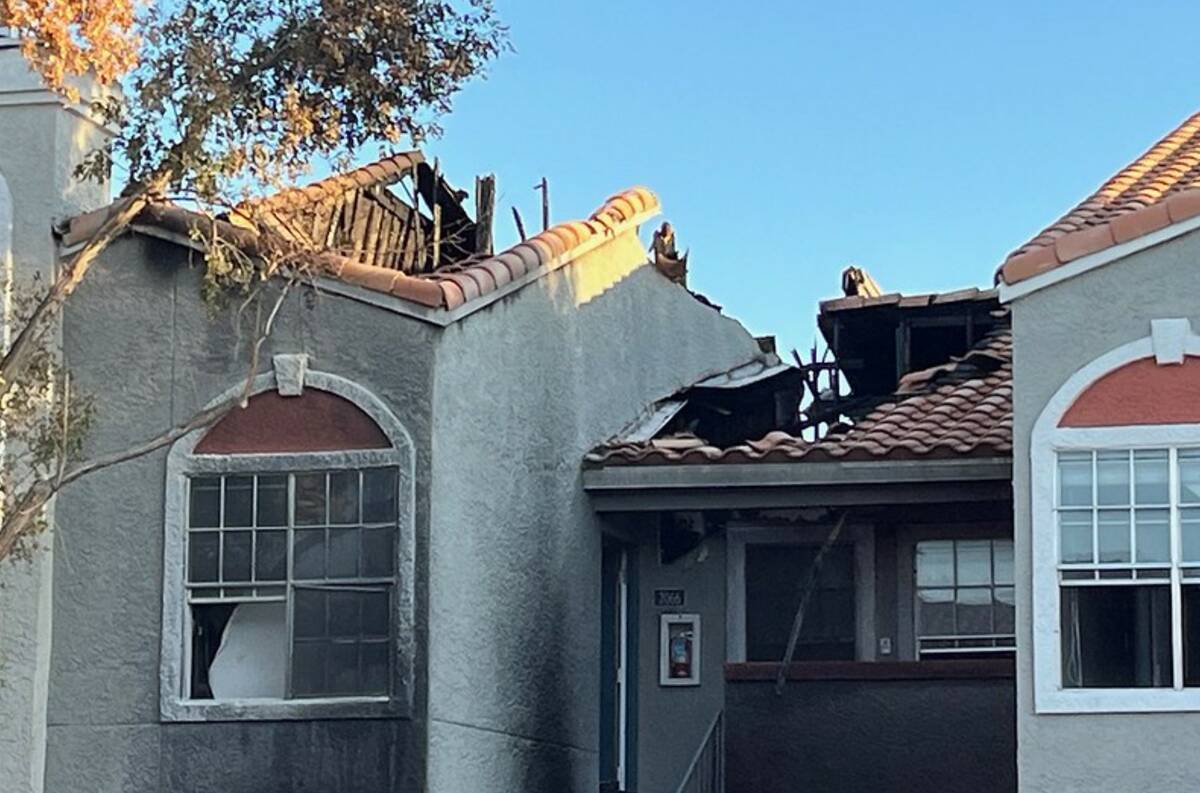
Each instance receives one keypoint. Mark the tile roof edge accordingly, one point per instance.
(1128, 228)
(460, 292)
(384, 171)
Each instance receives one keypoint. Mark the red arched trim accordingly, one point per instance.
(315, 421)
(1140, 392)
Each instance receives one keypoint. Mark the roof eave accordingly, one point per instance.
(1035, 283)
(731, 485)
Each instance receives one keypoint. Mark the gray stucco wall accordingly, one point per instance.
(522, 390)
(42, 144)
(138, 338)
(1055, 332)
(673, 720)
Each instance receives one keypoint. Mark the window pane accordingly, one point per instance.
(378, 551)
(272, 500)
(935, 563)
(239, 501)
(1075, 536)
(377, 613)
(1116, 636)
(203, 553)
(343, 497)
(235, 565)
(974, 562)
(308, 668)
(1189, 476)
(774, 576)
(1003, 560)
(379, 495)
(1150, 477)
(308, 613)
(345, 614)
(1112, 478)
(343, 553)
(1191, 636)
(1189, 529)
(1113, 529)
(342, 668)
(1005, 610)
(973, 611)
(1152, 535)
(308, 555)
(270, 556)
(1075, 479)
(935, 612)
(375, 672)
(310, 499)
(205, 509)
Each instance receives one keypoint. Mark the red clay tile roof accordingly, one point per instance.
(1157, 189)
(381, 173)
(959, 409)
(445, 288)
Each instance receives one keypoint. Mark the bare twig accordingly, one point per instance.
(39, 493)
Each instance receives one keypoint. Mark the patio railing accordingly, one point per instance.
(706, 774)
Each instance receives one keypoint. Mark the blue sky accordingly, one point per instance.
(921, 141)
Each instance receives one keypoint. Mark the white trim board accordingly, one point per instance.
(1047, 439)
(1009, 293)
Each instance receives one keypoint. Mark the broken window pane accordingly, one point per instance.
(241, 527)
(1005, 612)
(205, 509)
(1116, 636)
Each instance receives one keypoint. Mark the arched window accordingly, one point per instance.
(1115, 461)
(288, 559)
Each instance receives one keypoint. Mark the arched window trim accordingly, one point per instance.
(182, 462)
(1169, 342)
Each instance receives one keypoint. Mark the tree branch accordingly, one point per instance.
(41, 491)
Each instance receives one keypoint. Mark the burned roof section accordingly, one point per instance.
(952, 397)
(962, 408)
(876, 340)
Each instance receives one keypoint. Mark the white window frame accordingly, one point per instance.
(1170, 341)
(183, 463)
(738, 537)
